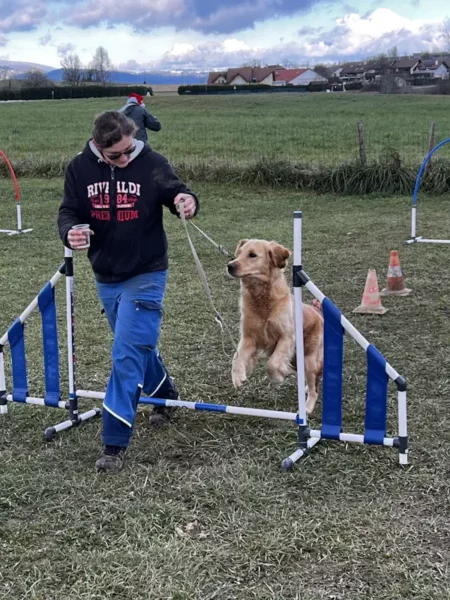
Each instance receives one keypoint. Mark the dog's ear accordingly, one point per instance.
(239, 246)
(278, 255)
(317, 305)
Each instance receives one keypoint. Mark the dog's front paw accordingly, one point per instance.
(277, 373)
(238, 379)
(310, 404)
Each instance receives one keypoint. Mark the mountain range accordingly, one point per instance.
(18, 69)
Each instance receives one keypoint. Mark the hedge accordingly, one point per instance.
(64, 92)
(422, 81)
(250, 88)
(220, 89)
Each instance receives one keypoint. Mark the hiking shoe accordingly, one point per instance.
(111, 461)
(162, 415)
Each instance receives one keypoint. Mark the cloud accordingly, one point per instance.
(209, 55)
(132, 65)
(65, 49)
(308, 30)
(375, 33)
(352, 38)
(3, 41)
(46, 39)
(207, 16)
(348, 9)
(21, 15)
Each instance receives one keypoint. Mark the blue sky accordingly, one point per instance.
(207, 34)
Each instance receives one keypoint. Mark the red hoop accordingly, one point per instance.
(13, 176)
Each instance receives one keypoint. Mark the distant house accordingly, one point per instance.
(363, 71)
(336, 73)
(353, 72)
(297, 77)
(374, 70)
(243, 76)
(436, 68)
(404, 66)
(217, 77)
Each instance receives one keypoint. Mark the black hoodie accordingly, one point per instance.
(124, 208)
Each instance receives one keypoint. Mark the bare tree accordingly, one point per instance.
(88, 74)
(393, 52)
(383, 62)
(322, 70)
(289, 64)
(102, 66)
(4, 73)
(72, 69)
(255, 63)
(35, 78)
(445, 32)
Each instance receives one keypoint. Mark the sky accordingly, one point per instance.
(213, 34)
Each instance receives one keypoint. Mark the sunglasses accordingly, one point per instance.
(117, 155)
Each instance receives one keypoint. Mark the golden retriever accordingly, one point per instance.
(267, 318)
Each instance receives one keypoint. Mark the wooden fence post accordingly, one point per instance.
(431, 145)
(362, 144)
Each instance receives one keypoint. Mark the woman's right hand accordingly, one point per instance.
(76, 238)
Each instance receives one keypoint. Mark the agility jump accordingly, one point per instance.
(379, 372)
(18, 201)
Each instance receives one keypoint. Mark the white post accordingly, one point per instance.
(2, 373)
(413, 222)
(19, 217)
(68, 254)
(298, 304)
(402, 426)
(3, 407)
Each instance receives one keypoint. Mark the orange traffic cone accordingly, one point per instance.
(395, 285)
(371, 302)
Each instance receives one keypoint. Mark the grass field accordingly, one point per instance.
(202, 510)
(316, 129)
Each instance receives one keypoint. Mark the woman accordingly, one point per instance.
(119, 186)
(135, 110)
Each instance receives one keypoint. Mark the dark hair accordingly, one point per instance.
(110, 127)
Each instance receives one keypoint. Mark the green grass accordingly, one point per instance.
(316, 129)
(203, 510)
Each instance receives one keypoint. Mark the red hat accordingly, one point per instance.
(138, 97)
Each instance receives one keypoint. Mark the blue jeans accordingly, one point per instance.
(134, 311)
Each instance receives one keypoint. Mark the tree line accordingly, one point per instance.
(99, 71)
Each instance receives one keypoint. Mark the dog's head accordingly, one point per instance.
(258, 259)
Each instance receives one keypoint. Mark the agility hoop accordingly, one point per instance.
(414, 236)
(18, 199)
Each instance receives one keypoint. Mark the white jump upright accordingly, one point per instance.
(18, 201)
(379, 372)
(414, 237)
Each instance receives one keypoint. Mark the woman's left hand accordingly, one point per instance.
(189, 204)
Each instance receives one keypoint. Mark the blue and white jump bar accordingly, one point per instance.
(414, 237)
(15, 338)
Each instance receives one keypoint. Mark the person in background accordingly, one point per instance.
(119, 186)
(135, 109)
